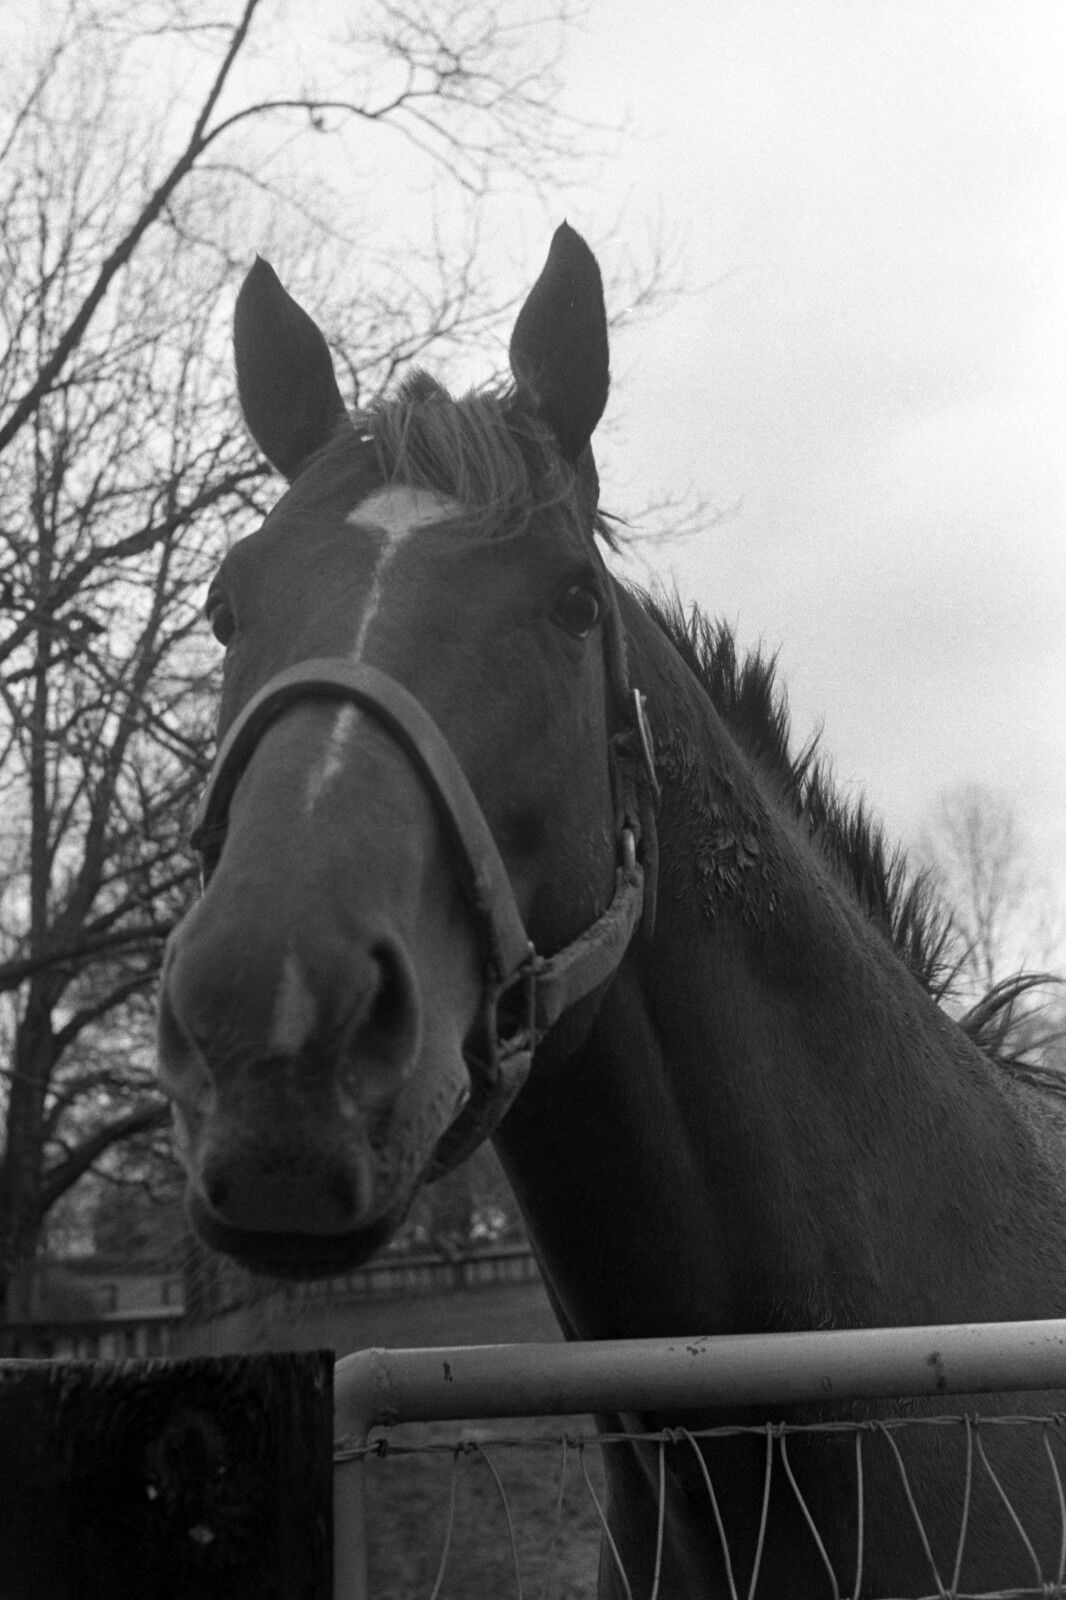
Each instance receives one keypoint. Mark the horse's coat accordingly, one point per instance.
(763, 1120)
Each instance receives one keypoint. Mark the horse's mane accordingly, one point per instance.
(900, 901)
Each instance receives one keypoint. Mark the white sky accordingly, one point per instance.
(875, 196)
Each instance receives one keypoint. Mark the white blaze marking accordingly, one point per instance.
(393, 515)
(390, 516)
(295, 1010)
(328, 768)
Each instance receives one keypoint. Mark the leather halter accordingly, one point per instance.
(524, 993)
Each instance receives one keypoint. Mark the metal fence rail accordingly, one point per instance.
(380, 1388)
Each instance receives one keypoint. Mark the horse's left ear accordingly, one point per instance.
(559, 345)
(285, 375)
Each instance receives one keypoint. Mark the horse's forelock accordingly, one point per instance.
(485, 450)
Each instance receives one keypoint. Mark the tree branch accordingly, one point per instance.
(68, 341)
(64, 1174)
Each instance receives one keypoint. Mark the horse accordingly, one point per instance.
(498, 846)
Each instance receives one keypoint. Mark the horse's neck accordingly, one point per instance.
(771, 1124)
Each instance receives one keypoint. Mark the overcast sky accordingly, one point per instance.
(869, 203)
(873, 197)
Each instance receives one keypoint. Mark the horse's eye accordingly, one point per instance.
(579, 609)
(220, 616)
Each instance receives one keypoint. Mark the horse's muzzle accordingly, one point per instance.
(305, 1108)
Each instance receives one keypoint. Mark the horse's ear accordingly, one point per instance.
(285, 376)
(559, 344)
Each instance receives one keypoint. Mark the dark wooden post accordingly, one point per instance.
(167, 1479)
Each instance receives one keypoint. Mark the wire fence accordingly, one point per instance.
(498, 1519)
(892, 1497)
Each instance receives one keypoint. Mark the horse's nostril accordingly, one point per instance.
(217, 1187)
(183, 1070)
(385, 1038)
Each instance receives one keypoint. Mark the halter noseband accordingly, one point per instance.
(523, 993)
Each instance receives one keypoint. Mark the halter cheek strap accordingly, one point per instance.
(523, 993)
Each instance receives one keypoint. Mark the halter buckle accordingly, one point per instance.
(647, 744)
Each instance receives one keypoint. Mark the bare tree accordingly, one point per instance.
(468, 85)
(123, 475)
(1003, 918)
(978, 854)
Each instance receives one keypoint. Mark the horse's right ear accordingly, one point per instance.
(559, 345)
(285, 375)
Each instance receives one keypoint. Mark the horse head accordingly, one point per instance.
(424, 796)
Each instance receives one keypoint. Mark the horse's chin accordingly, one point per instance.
(294, 1255)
